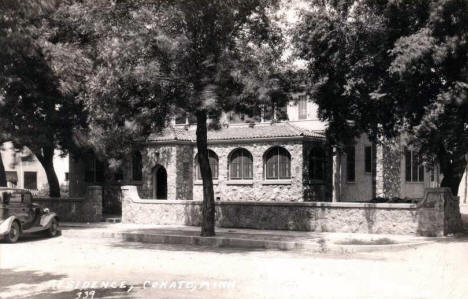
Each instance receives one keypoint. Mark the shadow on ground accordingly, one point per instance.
(184, 247)
(33, 237)
(10, 278)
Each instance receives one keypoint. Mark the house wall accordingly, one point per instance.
(312, 122)
(185, 172)
(362, 188)
(166, 156)
(257, 189)
(12, 162)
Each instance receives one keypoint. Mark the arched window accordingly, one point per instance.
(137, 166)
(240, 165)
(277, 164)
(317, 164)
(213, 159)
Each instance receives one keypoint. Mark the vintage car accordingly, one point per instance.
(18, 215)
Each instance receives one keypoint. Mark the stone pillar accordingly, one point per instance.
(92, 207)
(379, 172)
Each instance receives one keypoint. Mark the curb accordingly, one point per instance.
(312, 246)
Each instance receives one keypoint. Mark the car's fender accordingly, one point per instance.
(47, 219)
(6, 225)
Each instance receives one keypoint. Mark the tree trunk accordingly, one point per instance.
(453, 168)
(47, 160)
(3, 181)
(337, 175)
(208, 206)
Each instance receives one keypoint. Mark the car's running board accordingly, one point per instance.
(34, 229)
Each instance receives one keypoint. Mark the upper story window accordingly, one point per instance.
(350, 164)
(240, 165)
(213, 160)
(137, 166)
(277, 164)
(302, 105)
(30, 180)
(414, 170)
(317, 164)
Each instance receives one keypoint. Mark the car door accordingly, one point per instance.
(30, 216)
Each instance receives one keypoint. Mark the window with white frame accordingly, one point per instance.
(277, 164)
(240, 165)
(414, 170)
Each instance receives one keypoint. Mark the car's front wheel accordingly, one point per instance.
(14, 233)
(53, 229)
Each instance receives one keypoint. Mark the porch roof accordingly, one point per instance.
(236, 132)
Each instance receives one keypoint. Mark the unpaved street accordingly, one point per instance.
(60, 267)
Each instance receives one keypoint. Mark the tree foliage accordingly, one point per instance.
(151, 57)
(392, 68)
(37, 86)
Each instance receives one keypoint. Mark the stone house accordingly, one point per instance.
(267, 160)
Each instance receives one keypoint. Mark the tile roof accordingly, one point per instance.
(258, 131)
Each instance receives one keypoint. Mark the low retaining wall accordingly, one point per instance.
(80, 209)
(436, 215)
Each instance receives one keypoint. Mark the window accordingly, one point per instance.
(277, 164)
(94, 169)
(67, 178)
(213, 160)
(15, 197)
(240, 165)
(137, 166)
(317, 164)
(368, 159)
(30, 180)
(11, 177)
(302, 107)
(350, 164)
(275, 110)
(414, 170)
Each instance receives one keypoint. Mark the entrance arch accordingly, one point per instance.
(159, 182)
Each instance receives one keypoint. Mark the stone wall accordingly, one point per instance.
(391, 162)
(78, 209)
(257, 189)
(435, 216)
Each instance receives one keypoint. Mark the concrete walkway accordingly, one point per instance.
(245, 238)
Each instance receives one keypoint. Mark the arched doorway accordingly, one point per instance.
(159, 182)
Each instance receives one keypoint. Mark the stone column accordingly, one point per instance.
(92, 207)
(379, 172)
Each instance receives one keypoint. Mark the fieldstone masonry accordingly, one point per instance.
(83, 209)
(257, 189)
(436, 215)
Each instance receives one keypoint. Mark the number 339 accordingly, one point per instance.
(85, 295)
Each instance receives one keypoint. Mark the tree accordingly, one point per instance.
(152, 56)
(391, 68)
(37, 87)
